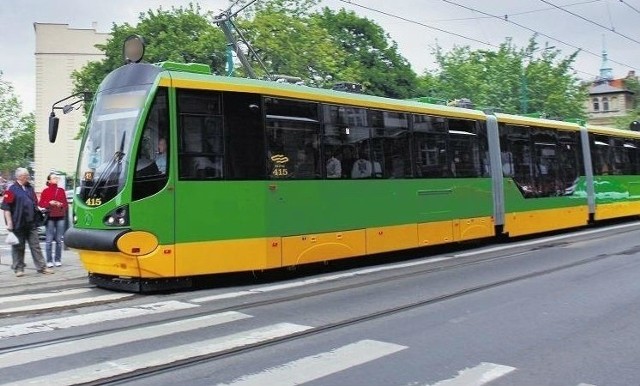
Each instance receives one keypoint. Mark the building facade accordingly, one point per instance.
(59, 51)
(608, 97)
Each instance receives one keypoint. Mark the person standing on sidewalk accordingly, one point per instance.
(54, 199)
(19, 206)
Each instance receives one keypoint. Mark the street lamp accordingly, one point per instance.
(524, 99)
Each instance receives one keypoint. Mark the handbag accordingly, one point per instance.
(11, 239)
(40, 218)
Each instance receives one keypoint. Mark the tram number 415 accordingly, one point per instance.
(93, 201)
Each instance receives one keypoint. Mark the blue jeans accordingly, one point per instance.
(55, 230)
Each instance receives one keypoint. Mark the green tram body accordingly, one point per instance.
(138, 228)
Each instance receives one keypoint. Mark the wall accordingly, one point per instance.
(59, 51)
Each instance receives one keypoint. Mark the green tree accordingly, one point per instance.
(510, 79)
(633, 85)
(369, 56)
(289, 37)
(17, 131)
(289, 42)
(182, 34)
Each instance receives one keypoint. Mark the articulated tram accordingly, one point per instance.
(182, 173)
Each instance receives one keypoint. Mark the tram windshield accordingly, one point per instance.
(106, 153)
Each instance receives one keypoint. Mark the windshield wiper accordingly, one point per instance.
(115, 160)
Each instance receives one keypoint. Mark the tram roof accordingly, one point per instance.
(204, 81)
(285, 90)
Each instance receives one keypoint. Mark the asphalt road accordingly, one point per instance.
(558, 310)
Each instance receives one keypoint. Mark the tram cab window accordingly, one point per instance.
(200, 133)
(153, 153)
(292, 138)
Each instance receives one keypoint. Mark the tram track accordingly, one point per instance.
(354, 320)
(456, 261)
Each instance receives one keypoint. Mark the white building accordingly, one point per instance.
(59, 51)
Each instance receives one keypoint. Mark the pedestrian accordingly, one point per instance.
(20, 205)
(54, 199)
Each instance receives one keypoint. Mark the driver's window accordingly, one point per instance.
(153, 151)
(152, 163)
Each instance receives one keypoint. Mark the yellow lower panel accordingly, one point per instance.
(433, 233)
(110, 263)
(619, 209)
(228, 256)
(322, 247)
(391, 238)
(535, 221)
(473, 228)
(159, 263)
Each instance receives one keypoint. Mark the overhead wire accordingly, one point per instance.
(538, 32)
(504, 18)
(418, 23)
(630, 6)
(612, 29)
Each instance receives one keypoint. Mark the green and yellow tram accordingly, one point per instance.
(183, 173)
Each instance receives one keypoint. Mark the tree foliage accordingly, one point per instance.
(181, 34)
(510, 79)
(632, 84)
(17, 131)
(323, 46)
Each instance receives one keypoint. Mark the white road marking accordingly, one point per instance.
(477, 376)
(20, 357)
(44, 295)
(113, 367)
(92, 318)
(65, 303)
(317, 366)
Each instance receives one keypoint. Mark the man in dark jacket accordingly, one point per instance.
(19, 206)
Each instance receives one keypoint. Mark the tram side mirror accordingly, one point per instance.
(53, 127)
(635, 126)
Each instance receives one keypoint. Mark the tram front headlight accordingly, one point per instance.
(118, 217)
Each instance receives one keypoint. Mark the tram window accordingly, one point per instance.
(599, 145)
(545, 162)
(430, 146)
(292, 138)
(465, 149)
(517, 158)
(633, 152)
(244, 136)
(200, 130)
(153, 153)
(391, 145)
(343, 134)
(570, 165)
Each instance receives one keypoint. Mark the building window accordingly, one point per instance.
(596, 104)
(605, 104)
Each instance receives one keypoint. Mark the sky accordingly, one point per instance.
(417, 26)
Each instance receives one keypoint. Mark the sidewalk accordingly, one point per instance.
(70, 272)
